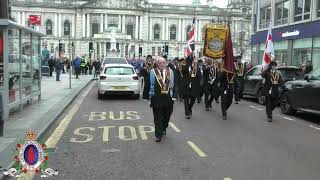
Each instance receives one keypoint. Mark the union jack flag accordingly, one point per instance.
(191, 41)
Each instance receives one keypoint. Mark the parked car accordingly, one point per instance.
(114, 60)
(253, 80)
(119, 79)
(302, 94)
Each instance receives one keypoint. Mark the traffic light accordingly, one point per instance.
(60, 47)
(90, 47)
(166, 50)
(140, 51)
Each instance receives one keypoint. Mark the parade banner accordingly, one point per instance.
(215, 36)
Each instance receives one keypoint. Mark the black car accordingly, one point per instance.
(302, 94)
(253, 80)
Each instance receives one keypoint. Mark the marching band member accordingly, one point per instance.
(272, 82)
(145, 73)
(239, 81)
(211, 90)
(161, 92)
(191, 86)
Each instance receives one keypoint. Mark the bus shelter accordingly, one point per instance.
(20, 67)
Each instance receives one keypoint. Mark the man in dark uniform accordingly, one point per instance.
(272, 82)
(211, 90)
(173, 66)
(145, 73)
(239, 79)
(227, 90)
(179, 78)
(202, 67)
(161, 92)
(191, 86)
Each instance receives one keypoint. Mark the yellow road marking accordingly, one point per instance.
(58, 132)
(196, 149)
(227, 179)
(174, 127)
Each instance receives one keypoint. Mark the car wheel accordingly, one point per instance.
(136, 96)
(261, 98)
(285, 105)
(100, 96)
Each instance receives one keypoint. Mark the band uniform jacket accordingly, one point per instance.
(272, 83)
(210, 75)
(191, 85)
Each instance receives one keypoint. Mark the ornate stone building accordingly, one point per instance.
(137, 24)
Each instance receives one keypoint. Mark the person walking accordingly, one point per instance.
(160, 95)
(59, 65)
(51, 66)
(272, 82)
(77, 65)
(211, 91)
(145, 73)
(96, 64)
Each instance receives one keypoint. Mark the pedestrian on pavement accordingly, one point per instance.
(161, 93)
(97, 66)
(59, 66)
(145, 73)
(51, 66)
(191, 85)
(63, 64)
(90, 66)
(272, 82)
(226, 81)
(83, 65)
(211, 90)
(77, 66)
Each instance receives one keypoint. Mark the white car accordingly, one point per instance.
(119, 79)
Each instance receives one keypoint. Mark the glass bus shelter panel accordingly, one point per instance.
(14, 65)
(36, 58)
(27, 76)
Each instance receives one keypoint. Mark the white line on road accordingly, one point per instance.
(256, 108)
(227, 179)
(314, 127)
(196, 149)
(289, 119)
(174, 127)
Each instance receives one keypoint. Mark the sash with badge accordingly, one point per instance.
(212, 75)
(164, 85)
(274, 81)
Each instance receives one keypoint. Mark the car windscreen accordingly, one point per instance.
(292, 73)
(119, 71)
(315, 75)
(114, 61)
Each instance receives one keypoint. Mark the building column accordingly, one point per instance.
(167, 29)
(23, 18)
(140, 28)
(123, 24)
(106, 21)
(73, 24)
(19, 18)
(183, 30)
(163, 27)
(60, 26)
(150, 29)
(83, 25)
(88, 25)
(101, 23)
(136, 28)
(56, 25)
(119, 22)
(179, 30)
(100, 50)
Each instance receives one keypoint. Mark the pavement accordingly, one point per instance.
(39, 115)
(113, 138)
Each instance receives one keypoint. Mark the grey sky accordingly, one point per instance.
(219, 3)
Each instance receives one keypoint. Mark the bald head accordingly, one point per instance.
(161, 62)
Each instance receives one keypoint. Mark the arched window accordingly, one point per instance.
(173, 32)
(156, 32)
(49, 27)
(66, 28)
(187, 32)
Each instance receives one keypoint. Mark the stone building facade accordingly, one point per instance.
(137, 24)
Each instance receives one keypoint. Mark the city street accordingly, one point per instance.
(113, 138)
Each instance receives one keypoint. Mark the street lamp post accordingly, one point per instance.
(70, 60)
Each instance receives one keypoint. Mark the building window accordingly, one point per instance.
(301, 10)
(66, 27)
(282, 13)
(316, 53)
(156, 32)
(318, 8)
(265, 14)
(302, 49)
(129, 29)
(281, 52)
(159, 51)
(113, 21)
(153, 51)
(173, 32)
(187, 32)
(49, 27)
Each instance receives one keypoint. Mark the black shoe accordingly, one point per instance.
(165, 132)
(188, 117)
(269, 119)
(207, 109)
(224, 117)
(158, 139)
(199, 101)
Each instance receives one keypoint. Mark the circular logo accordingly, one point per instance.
(216, 45)
(31, 155)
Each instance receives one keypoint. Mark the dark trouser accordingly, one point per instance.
(271, 103)
(146, 88)
(77, 72)
(83, 70)
(161, 117)
(90, 71)
(50, 71)
(208, 98)
(63, 69)
(201, 94)
(226, 101)
(58, 74)
(238, 89)
(180, 90)
(188, 104)
(96, 73)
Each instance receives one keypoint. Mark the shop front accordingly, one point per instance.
(294, 45)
